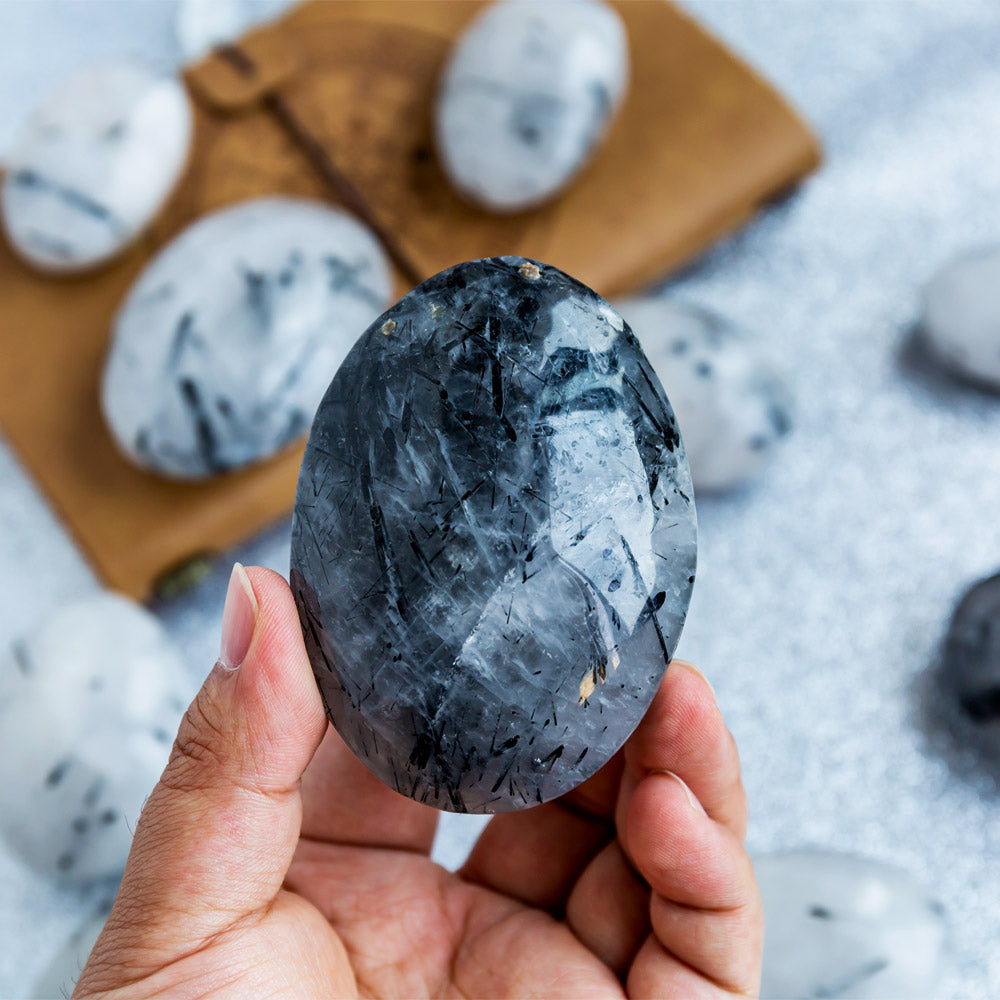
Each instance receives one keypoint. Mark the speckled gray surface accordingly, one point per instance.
(824, 590)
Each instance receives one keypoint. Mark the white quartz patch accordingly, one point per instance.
(844, 926)
(94, 164)
(962, 315)
(731, 404)
(527, 94)
(227, 341)
(89, 707)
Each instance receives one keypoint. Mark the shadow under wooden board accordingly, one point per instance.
(334, 102)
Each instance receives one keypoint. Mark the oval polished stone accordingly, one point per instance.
(529, 91)
(226, 342)
(89, 706)
(961, 319)
(845, 926)
(732, 406)
(94, 164)
(493, 545)
(971, 669)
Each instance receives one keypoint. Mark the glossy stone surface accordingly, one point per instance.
(494, 539)
(227, 341)
(89, 707)
(971, 668)
(961, 321)
(94, 164)
(527, 94)
(732, 405)
(845, 926)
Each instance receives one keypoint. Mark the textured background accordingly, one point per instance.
(823, 591)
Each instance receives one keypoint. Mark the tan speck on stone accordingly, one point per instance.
(587, 686)
(388, 326)
(529, 271)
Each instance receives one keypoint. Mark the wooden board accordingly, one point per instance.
(700, 143)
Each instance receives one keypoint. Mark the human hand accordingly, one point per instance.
(268, 861)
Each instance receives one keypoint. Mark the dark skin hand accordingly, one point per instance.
(268, 862)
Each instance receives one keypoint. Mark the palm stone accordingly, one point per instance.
(494, 538)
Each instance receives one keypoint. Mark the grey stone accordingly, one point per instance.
(227, 340)
(89, 707)
(494, 542)
(731, 403)
(94, 164)
(528, 93)
(971, 667)
(845, 926)
(961, 321)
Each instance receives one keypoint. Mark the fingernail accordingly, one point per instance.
(692, 801)
(238, 619)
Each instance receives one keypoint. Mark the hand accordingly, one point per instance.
(268, 862)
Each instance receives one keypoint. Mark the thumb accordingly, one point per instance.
(218, 831)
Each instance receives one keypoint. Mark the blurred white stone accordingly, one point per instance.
(60, 977)
(203, 24)
(89, 707)
(731, 404)
(528, 92)
(844, 926)
(229, 338)
(962, 315)
(94, 164)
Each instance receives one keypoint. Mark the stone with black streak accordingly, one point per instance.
(528, 93)
(94, 164)
(494, 538)
(228, 339)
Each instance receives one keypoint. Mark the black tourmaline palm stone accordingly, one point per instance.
(494, 538)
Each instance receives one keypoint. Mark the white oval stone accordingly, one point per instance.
(962, 315)
(229, 338)
(844, 926)
(731, 405)
(529, 91)
(94, 164)
(89, 707)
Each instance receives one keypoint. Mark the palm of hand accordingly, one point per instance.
(256, 871)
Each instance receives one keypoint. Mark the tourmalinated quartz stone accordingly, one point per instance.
(844, 926)
(226, 342)
(529, 91)
(493, 545)
(961, 319)
(89, 706)
(732, 405)
(971, 668)
(94, 164)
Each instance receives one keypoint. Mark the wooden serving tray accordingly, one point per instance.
(334, 101)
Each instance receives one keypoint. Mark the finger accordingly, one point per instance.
(537, 855)
(705, 911)
(683, 732)
(608, 909)
(344, 803)
(218, 831)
